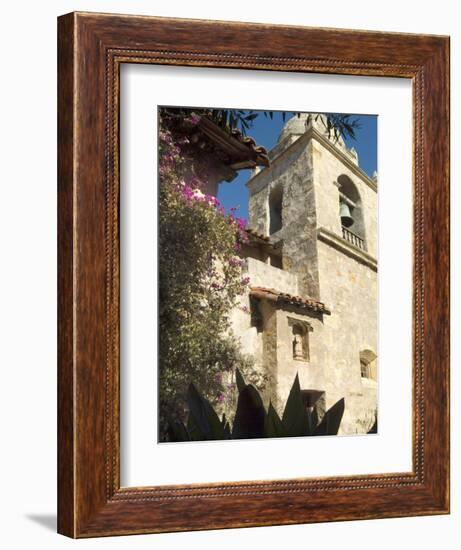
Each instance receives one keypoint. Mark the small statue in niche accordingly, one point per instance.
(298, 352)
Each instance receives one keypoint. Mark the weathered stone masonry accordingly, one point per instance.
(313, 273)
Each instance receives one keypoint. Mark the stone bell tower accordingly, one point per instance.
(313, 271)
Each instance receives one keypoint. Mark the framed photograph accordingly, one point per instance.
(253, 275)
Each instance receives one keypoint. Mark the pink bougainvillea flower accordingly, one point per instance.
(198, 195)
(241, 223)
(194, 119)
(235, 261)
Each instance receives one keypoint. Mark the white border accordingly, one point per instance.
(145, 462)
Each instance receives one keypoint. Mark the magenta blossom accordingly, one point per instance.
(241, 223)
(216, 286)
(194, 119)
(196, 182)
(236, 262)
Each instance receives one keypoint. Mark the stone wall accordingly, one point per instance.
(261, 274)
(350, 289)
(327, 168)
(318, 263)
(292, 172)
(311, 371)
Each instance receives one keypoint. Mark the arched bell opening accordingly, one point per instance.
(351, 212)
(275, 209)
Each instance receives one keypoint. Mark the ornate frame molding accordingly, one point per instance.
(91, 49)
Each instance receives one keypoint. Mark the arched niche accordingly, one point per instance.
(351, 212)
(368, 364)
(299, 339)
(275, 209)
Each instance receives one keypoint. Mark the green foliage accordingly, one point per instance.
(374, 428)
(250, 414)
(203, 422)
(252, 420)
(273, 426)
(295, 418)
(336, 124)
(200, 282)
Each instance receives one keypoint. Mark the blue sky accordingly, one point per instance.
(266, 131)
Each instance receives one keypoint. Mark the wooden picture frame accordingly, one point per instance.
(91, 49)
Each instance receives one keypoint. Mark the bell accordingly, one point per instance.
(345, 214)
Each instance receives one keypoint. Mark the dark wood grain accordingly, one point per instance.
(91, 49)
(66, 487)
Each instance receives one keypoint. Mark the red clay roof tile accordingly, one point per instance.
(285, 298)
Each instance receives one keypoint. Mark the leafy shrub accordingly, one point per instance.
(251, 418)
(200, 280)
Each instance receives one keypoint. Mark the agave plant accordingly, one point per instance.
(251, 419)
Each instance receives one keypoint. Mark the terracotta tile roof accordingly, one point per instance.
(242, 150)
(258, 236)
(259, 150)
(283, 298)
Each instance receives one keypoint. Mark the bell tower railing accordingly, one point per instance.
(352, 238)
